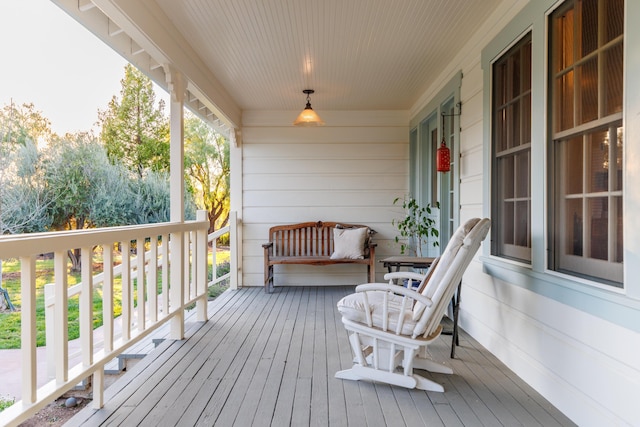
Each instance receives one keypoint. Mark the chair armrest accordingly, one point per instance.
(267, 245)
(400, 290)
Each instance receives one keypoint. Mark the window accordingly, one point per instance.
(586, 87)
(511, 145)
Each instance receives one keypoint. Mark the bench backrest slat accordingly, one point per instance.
(306, 239)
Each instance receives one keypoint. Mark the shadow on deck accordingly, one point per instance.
(269, 359)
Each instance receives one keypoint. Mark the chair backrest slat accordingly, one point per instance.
(448, 272)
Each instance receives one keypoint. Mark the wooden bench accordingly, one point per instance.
(311, 243)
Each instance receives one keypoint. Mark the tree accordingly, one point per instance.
(135, 130)
(207, 167)
(24, 198)
(21, 191)
(21, 204)
(23, 122)
(76, 169)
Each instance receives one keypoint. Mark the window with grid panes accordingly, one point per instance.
(586, 88)
(511, 180)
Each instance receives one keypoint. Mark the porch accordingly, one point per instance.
(269, 359)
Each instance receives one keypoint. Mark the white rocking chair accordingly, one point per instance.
(391, 326)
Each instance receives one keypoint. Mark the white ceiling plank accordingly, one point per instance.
(358, 55)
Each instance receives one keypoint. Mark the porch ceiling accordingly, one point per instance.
(260, 55)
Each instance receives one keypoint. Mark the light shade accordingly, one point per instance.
(308, 117)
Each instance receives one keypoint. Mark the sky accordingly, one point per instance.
(52, 61)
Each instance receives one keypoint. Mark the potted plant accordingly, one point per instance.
(416, 227)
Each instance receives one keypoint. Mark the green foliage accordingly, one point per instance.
(134, 130)
(77, 166)
(20, 123)
(151, 196)
(112, 203)
(416, 227)
(5, 402)
(24, 199)
(207, 166)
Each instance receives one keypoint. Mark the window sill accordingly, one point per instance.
(606, 302)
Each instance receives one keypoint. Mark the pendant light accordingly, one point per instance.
(443, 154)
(308, 117)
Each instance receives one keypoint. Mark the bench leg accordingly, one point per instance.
(371, 273)
(268, 279)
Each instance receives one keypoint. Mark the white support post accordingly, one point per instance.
(98, 389)
(86, 306)
(177, 90)
(236, 202)
(200, 262)
(233, 243)
(61, 345)
(28, 327)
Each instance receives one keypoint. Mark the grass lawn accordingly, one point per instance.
(10, 321)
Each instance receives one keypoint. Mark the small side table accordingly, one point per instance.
(406, 261)
(425, 262)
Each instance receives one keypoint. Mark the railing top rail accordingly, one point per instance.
(221, 232)
(15, 246)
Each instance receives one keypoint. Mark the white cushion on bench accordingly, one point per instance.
(349, 242)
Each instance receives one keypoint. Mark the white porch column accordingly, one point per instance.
(236, 206)
(177, 88)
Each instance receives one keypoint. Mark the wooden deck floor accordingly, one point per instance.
(270, 359)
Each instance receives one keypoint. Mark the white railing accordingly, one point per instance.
(182, 284)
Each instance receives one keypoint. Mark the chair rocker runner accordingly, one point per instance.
(391, 326)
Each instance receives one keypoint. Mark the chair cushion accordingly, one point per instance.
(352, 307)
(349, 242)
(444, 264)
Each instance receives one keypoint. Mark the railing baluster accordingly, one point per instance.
(192, 259)
(200, 271)
(86, 306)
(152, 279)
(186, 281)
(127, 300)
(176, 287)
(28, 333)
(49, 317)
(107, 297)
(61, 331)
(140, 282)
(233, 262)
(165, 274)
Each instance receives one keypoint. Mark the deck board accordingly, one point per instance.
(270, 359)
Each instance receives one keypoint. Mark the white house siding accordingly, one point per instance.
(350, 171)
(586, 366)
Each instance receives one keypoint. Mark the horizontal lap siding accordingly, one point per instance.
(584, 365)
(344, 173)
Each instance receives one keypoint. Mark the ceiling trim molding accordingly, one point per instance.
(141, 33)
